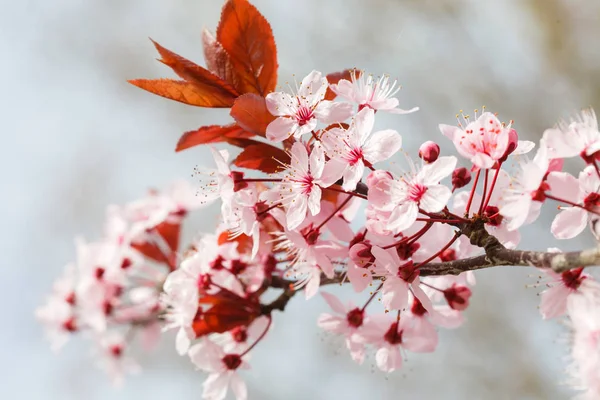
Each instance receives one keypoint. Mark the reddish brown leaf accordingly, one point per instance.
(250, 112)
(184, 92)
(217, 59)
(170, 234)
(211, 134)
(262, 157)
(227, 312)
(244, 242)
(247, 37)
(205, 80)
(334, 78)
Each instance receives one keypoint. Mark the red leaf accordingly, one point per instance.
(184, 92)
(250, 112)
(170, 235)
(244, 242)
(211, 134)
(226, 313)
(248, 39)
(335, 77)
(217, 59)
(262, 157)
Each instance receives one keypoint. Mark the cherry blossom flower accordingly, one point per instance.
(391, 335)
(366, 91)
(299, 114)
(300, 189)
(419, 189)
(222, 368)
(571, 221)
(579, 137)
(522, 200)
(112, 358)
(347, 321)
(401, 278)
(560, 287)
(357, 147)
(485, 140)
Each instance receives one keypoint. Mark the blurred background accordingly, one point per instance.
(77, 137)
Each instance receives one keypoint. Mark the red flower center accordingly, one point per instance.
(493, 215)
(354, 155)
(416, 192)
(232, 361)
(572, 278)
(392, 336)
(355, 317)
(303, 115)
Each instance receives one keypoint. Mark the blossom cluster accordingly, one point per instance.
(331, 208)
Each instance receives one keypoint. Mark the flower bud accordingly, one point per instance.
(429, 151)
(457, 297)
(513, 142)
(460, 177)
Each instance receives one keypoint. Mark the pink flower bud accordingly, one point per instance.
(460, 177)
(429, 151)
(361, 254)
(513, 142)
(457, 297)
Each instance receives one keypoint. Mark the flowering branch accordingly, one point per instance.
(328, 211)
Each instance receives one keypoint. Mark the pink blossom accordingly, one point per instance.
(112, 358)
(222, 368)
(560, 287)
(365, 91)
(419, 189)
(300, 189)
(579, 137)
(400, 279)
(391, 335)
(571, 221)
(357, 147)
(483, 141)
(522, 200)
(299, 114)
(347, 321)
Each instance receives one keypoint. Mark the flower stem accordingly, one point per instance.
(472, 193)
(262, 335)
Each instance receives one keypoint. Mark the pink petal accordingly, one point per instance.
(335, 303)
(435, 198)
(564, 186)
(363, 124)
(238, 386)
(329, 112)
(433, 173)
(359, 278)
(388, 359)
(421, 337)
(569, 223)
(280, 104)
(382, 145)
(554, 301)
(296, 212)
(313, 87)
(299, 156)
(403, 216)
(523, 147)
(281, 128)
(448, 130)
(482, 161)
(314, 200)
(332, 172)
(352, 175)
(395, 293)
